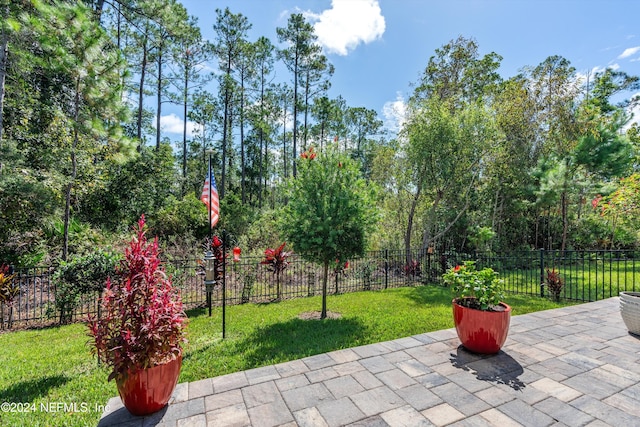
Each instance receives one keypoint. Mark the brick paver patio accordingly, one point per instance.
(573, 366)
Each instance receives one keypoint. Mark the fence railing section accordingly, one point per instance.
(586, 276)
(33, 300)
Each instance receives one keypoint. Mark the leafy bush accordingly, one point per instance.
(248, 282)
(142, 323)
(81, 276)
(263, 232)
(237, 216)
(365, 273)
(141, 184)
(479, 289)
(180, 218)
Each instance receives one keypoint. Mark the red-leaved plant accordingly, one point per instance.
(218, 249)
(554, 283)
(142, 322)
(276, 260)
(339, 270)
(412, 268)
(8, 292)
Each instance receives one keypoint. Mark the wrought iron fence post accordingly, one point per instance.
(386, 268)
(224, 284)
(542, 272)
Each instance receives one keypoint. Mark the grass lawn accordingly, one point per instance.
(45, 374)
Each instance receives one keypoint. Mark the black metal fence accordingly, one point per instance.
(586, 276)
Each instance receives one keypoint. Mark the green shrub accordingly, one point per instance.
(180, 218)
(81, 276)
(479, 289)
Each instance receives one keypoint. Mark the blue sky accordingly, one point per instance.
(380, 47)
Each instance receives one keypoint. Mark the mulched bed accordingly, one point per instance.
(315, 315)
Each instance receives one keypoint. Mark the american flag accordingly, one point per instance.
(211, 202)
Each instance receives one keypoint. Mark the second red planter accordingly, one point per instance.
(482, 331)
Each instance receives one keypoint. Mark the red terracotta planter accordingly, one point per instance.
(148, 390)
(482, 331)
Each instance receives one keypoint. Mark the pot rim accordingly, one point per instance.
(630, 293)
(502, 303)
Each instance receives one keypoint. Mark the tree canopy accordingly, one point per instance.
(331, 211)
(482, 161)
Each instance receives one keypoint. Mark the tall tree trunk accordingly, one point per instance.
(537, 231)
(323, 314)
(426, 236)
(295, 115)
(262, 147)
(407, 235)
(98, 10)
(495, 207)
(118, 26)
(225, 124)
(284, 136)
(204, 142)
(159, 94)
(184, 129)
(565, 220)
(141, 92)
(231, 152)
(242, 160)
(306, 111)
(67, 204)
(225, 128)
(4, 52)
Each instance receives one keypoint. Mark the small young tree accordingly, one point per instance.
(330, 211)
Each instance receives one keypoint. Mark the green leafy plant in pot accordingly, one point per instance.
(140, 330)
(481, 318)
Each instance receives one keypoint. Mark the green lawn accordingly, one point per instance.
(45, 372)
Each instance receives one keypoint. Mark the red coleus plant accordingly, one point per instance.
(339, 267)
(142, 323)
(8, 291)
(218, 249)
(413, 268)
(555, 283)
(276, 259)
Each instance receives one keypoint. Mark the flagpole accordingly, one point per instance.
(210, 197)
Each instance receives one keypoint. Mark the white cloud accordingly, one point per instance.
(629, 52)
(175, 125)
(395, 113)
(347, 24)
(581, 78)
